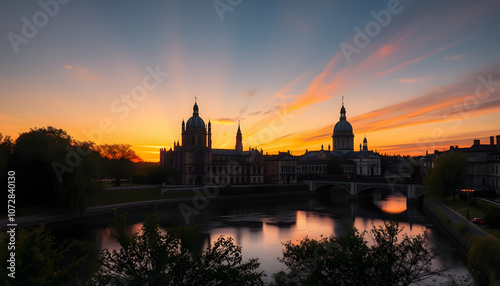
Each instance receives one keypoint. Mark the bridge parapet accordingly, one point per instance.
(411, 191)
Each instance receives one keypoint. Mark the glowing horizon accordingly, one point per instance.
(426, 76)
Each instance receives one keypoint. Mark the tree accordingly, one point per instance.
(157, 258)
(6, 149)
(119, 152)
(449, 172)
(484, 254)
(53, 170)
(118, 159)
(40, 262)
(349, 260)
(492, 217)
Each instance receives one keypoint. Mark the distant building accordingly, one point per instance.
(364, 161)
(483, 164)
(197, 163)
(280, 169)
(314, 164)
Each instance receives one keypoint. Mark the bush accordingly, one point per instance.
(393, 259)
(484, 254)
(41, 261)
(154, 257)
(492, 217)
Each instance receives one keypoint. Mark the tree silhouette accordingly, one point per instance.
(449, 172)
(41, 261)
(155, 257)
(52, 170)
(119, 152)
(393, 259)
(118, 160)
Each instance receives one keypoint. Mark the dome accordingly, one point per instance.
(195, 122)
(342, 125)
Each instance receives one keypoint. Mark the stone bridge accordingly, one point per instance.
(354, 188)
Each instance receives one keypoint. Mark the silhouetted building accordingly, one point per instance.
(280, 169)
(343, 137)
(313, 164)
(196, 162)
(483, 164)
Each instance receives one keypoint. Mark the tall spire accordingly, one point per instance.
(209, 133)
(239, 139)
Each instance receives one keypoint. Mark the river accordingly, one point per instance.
(261, 225)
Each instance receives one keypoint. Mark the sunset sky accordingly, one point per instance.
(415, 75)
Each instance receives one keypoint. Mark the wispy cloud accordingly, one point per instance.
(409, 80)
(251, 93)
(454, 57)
(455, 101)
(81, 74)
(227, 121)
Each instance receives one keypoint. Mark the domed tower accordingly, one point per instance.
(194, 133)
(343, 137)
(196, 151)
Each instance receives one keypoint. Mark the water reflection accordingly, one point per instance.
(261, 226)
(394, 203)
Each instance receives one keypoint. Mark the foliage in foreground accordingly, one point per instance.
(484, 255)
(393, 259)
(40, 262)
(156, 258)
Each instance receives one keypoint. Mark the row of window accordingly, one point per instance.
(236, 170)
(494, 170)
(236, 180)
(313, 168)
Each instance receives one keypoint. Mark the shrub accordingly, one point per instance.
(492, 217)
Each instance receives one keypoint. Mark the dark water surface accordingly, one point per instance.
(261, 225)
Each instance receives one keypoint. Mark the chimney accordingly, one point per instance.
(498, 140)
(492, 140)
(451, 147)
(477, 142)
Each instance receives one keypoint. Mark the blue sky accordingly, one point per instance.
(277, 66)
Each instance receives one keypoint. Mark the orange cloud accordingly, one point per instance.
(227, 121)
(81, 74)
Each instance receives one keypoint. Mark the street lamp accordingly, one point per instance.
(468, 199)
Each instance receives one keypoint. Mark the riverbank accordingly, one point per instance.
(461, 231)
(192, 197)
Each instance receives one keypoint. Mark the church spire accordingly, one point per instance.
(239, 139)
